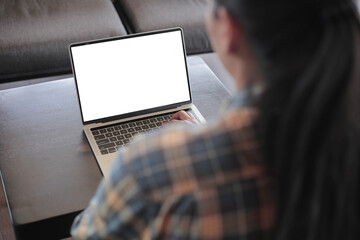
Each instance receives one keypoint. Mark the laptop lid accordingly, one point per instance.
(131, 75)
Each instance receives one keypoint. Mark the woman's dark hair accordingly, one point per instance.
(309, 127)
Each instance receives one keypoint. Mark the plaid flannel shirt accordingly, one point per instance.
(203, 183)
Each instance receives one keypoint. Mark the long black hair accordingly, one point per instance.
(309, 128)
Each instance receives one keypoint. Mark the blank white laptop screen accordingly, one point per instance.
(128, 75)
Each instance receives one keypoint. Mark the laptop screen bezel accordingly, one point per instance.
(135, 113)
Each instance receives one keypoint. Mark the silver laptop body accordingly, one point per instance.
(126, 80)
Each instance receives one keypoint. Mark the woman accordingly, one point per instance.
(282, 164)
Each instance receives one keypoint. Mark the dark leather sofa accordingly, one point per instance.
(35, 34)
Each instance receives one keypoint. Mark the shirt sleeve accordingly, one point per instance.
(121, 210)
(115, 211)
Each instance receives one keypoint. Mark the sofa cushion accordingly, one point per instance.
(35, 34)
(145, 15)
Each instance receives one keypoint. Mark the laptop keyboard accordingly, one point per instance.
(110, 139)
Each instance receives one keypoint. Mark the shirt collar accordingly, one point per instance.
(247, 97)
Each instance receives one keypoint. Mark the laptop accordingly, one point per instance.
(129, 85)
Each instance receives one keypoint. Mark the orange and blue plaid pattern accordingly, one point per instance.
(203, 183)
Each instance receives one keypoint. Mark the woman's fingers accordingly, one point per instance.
(182, 117)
